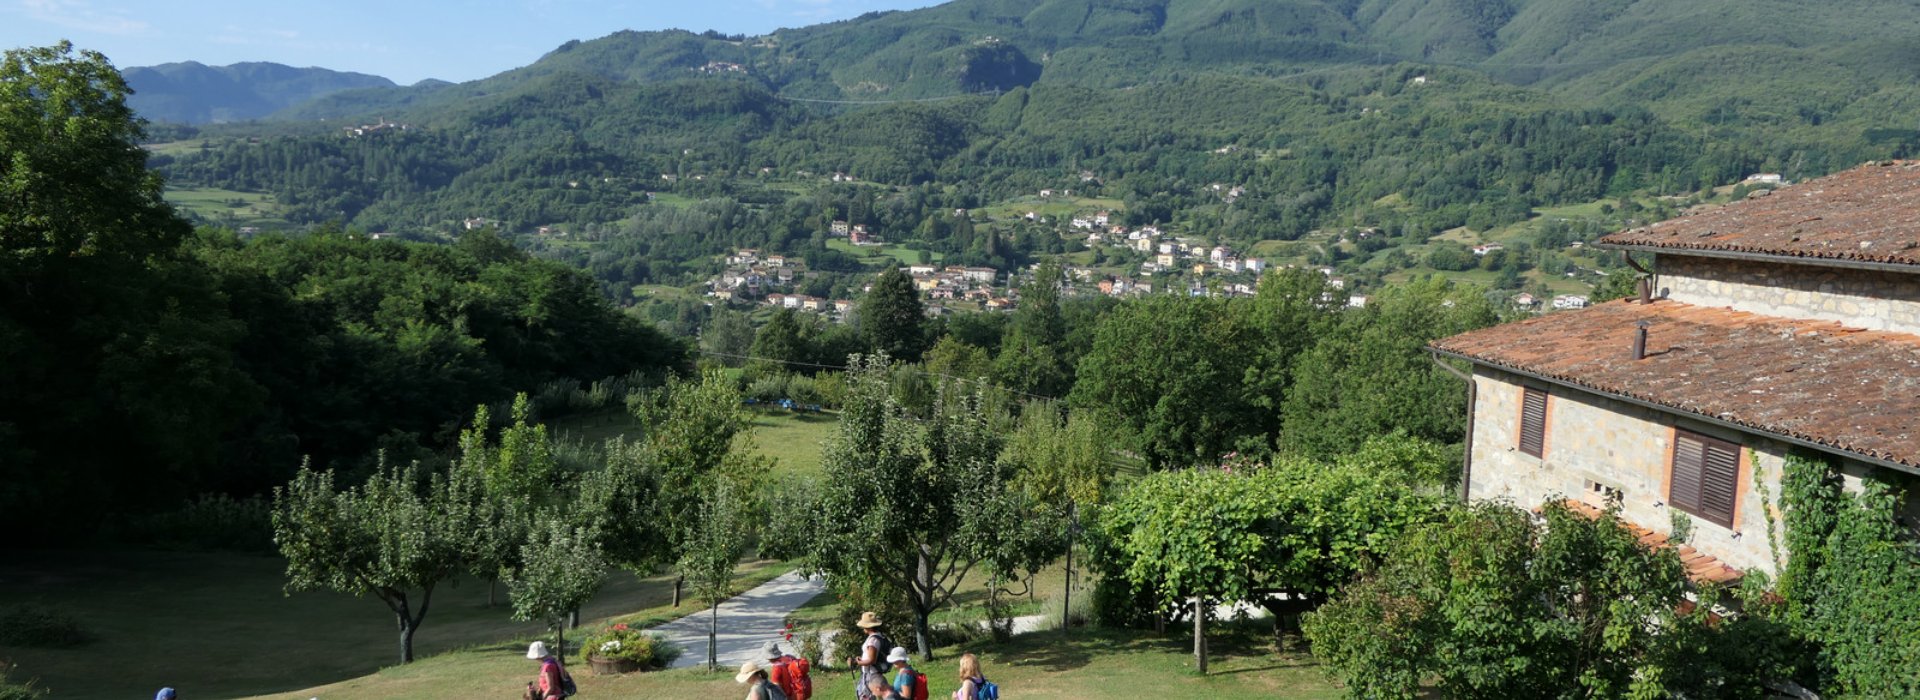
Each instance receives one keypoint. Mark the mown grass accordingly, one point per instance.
(1084, 663)
(219, 625)
(791, 439)
(879, 254)
(225, 206)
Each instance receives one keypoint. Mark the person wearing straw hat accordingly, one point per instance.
(754, 676)
(872, 663)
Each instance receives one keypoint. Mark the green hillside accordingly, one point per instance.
(1411, 116)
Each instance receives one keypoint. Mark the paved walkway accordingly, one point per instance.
(747, 622)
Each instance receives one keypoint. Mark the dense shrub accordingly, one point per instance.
(1852, 582)
(39, 627)
(215, 522)
(622, 643)
(22, 690)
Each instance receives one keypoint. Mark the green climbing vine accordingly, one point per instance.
(1851, 581)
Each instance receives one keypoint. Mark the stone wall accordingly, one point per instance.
(1595, 445)
(1858, 298)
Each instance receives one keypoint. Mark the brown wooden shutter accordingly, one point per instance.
(1719, 481)
(1533, 422)
(1706, 477)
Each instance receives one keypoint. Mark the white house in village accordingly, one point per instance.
(1767, 326)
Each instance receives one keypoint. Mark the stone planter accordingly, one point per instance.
(612, 667)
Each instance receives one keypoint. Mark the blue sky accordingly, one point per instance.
(405, 40)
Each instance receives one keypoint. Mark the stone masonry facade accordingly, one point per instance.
(1883, 301)
(1596, 445)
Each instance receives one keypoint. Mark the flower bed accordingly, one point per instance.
(622, 649)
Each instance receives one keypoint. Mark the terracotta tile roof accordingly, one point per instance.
(1869, 214)
(1845, 388)
(1701, 567)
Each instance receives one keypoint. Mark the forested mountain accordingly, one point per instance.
(1580, 48)
(1411, 116)
(192, 93)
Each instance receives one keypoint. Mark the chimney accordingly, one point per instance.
(1640, 340)
(1645, 287)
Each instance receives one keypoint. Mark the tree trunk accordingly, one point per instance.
(491, 584)
(406, 638)
(713, 638)
(573, 619)
(676, 589)
(1200, 634)
(560, 644)
(1066, 596)
(922, 605)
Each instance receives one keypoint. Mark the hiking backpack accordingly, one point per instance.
(986, 690)
(794, 676)
(919, 686)
(770, 691)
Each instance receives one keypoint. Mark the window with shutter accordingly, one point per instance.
(1706, 477)
(1533, 422)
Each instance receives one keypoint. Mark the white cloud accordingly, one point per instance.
(80, 15)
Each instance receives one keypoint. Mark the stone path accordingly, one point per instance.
(747, 622)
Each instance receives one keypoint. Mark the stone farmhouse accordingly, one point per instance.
(1775, 324)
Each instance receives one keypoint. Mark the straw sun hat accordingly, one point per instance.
(868, 621)
(746, 671)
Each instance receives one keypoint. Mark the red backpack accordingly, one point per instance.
(793, 675)
(919, 686)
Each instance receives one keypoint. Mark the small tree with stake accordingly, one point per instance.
(713, 551)
(561, 568)
(387, 538)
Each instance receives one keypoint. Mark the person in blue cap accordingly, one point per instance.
(166, 694)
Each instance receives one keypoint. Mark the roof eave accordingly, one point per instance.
(1774, 258)
(1713, 420)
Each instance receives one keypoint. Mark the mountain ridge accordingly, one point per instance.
(191, 92)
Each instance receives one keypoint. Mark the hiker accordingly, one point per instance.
(758, 687)
(907, 683)
(553, 683)
(791, 673)
(974, 685)
(879, 690)
(872, 663)
(166, 694)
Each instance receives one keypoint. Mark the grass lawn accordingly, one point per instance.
(1082, 664)
(1057, 207)
(218, 625)
(879, 254)
(219, 206)
(792, 439)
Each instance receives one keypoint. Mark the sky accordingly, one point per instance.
(403, 40)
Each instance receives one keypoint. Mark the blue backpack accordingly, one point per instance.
(986, 690)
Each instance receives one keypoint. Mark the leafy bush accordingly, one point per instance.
(1851, 581)
(768, 388)
(622, 643)
(1079, 610)
(892, 609)
(24, 690)
(215, 522)
(803, 390)
(832, 387)
(40, 628)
